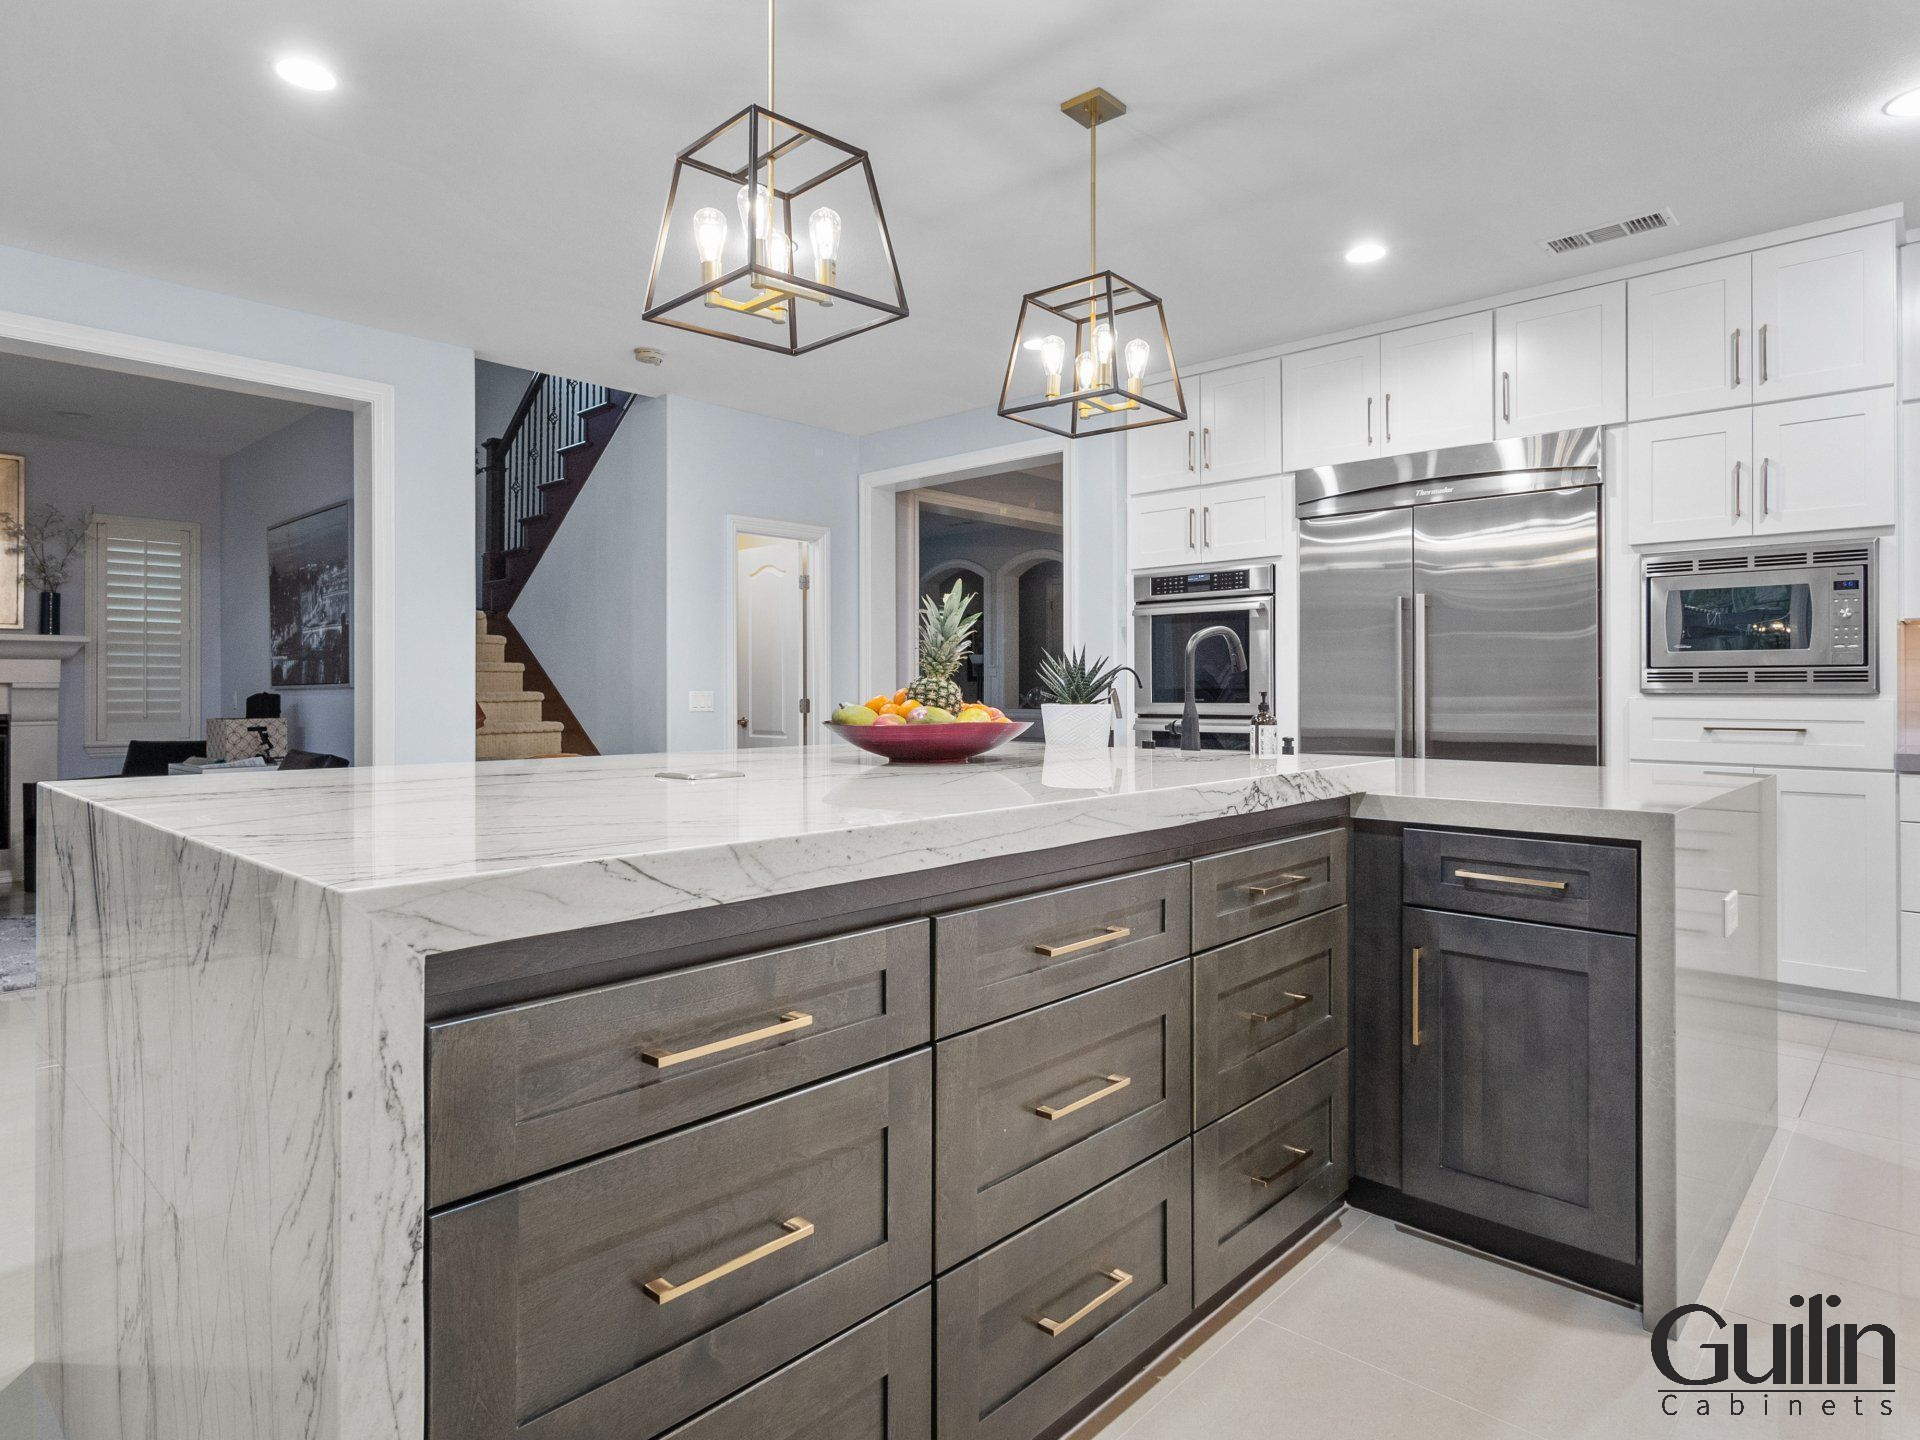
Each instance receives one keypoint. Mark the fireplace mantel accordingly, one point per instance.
(19, 645)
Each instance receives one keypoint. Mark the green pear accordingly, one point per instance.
(854, 715)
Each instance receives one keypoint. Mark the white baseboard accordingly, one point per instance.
(1860, 1009)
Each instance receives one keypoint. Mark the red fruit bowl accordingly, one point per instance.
(930, 744)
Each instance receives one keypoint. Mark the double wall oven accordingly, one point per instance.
(1168, 611)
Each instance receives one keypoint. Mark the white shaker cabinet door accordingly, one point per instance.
(1561, 362)
(1839, 881)
(1690, 339)
(1690, 478)
(1436, 384)
(1167, 456)
(1330, 397)
(1245, 519)
(1240, 422)
(1827, 463)
(1825, 314)
(1163, 529)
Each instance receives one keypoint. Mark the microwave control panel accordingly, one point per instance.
(1849, 617)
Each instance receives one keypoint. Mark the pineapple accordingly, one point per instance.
(946, 634)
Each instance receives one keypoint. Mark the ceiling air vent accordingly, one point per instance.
(1618, 230)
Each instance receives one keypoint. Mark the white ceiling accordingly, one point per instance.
(492, 173)
(79, 402)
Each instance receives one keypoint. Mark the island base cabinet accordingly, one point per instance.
(1025, 1332)
(1267, 1170)
(1519, 1078)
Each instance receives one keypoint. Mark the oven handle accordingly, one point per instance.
(1249, 607)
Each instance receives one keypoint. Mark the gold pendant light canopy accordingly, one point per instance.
(773, 236)
(1082, 349)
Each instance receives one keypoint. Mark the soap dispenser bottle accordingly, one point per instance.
(1265, 737)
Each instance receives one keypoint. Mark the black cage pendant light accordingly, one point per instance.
(1082, 350)
(810, 260)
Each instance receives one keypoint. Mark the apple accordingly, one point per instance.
(888, 720)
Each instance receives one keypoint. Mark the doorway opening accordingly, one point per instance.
(779, 629)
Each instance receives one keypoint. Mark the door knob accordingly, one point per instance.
(741, 722)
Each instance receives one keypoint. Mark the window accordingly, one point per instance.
(143, 651)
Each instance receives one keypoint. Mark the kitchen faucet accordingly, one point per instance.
(1190, 721)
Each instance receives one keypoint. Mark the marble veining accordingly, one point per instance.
(233, 1186)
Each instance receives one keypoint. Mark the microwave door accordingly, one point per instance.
(1355, 573)
(1756, 622)
(1507, 639)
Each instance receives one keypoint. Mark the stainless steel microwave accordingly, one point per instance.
(1793, 618)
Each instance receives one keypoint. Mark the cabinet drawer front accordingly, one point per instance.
(873, 1383)
(1554, 882)
(997, 960)
(1266, 1008)
(1110, 1275)
(520, 1091)
(1246, 891)
(1519, 1103)
(1114, 1068)
(1266, 1170)
(629, 1293)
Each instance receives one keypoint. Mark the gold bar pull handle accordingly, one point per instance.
(789, 1022)
(1285, 882)
(1264, 1016)
(1092, 942)
(1300, 1157)
(1115, 1084)
(663, 1290)
(1121, 1280)
(1557, 886)
(1416, 997)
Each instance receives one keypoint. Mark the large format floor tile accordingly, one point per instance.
(1870, 1047)
(1851, 1173)
(1878, 1102)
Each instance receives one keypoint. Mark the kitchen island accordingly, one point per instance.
(531, 1048)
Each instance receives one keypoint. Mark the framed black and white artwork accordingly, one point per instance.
(310, 599)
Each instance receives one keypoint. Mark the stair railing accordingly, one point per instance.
(527, 455)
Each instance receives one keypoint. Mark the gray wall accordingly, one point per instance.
(76, 475)
(304, 467)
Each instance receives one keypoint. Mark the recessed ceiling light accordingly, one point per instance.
(304, 72)
(1904, 105)
(1366, 252)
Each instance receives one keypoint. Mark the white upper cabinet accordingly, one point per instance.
(1164, 457)
(1163, 529)
(1244, 519)
(1690, 478)
(1436, 385)
(1827, 463)
(1825, 314)
(1240, 422)
(1910, 323)
(1562, 361)
(1330, 397)
(1690, 339)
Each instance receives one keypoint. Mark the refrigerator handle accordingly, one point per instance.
(1420, 678)
(1400, 675)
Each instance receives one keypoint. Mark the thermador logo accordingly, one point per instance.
(1810, 1369)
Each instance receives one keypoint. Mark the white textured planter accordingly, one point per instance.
(1077, 729)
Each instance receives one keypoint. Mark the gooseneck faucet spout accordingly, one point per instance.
(1190, 721)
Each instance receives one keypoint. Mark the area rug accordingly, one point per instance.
(19, 965)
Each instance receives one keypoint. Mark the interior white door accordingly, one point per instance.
(1245, 519)
(1690, 477)
(1839, 881)
(1163, 529)
(1330, 395)
(1240, 422)
(1561, 361)
(1436, 384)
(1690, 339)
(1166, 456)
(769, 619)
(1827, 463)
(1825, 314)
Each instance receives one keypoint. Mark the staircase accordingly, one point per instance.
(534, 473)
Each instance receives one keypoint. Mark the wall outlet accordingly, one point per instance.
(699, 700)
(1729, 914)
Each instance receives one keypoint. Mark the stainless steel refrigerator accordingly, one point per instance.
(1450, 603)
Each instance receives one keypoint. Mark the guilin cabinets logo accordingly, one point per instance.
(1813, 1369)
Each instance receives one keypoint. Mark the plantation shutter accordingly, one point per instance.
(142, 615)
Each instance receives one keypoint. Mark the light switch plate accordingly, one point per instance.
(699, 700)
(1729, 914)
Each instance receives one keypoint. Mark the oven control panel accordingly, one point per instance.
(1204, 582)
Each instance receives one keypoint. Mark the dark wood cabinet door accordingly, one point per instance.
(1519, 1099)
(627, 1294)
(1246, 891)
(1266, 1008)
(1036, 1110)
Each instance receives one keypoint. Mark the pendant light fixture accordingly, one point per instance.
(768, 283)
(1110, 331)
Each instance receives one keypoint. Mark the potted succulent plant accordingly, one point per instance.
(1078, 699)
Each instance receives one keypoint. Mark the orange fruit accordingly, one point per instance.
(876, 703)
(900, 696)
